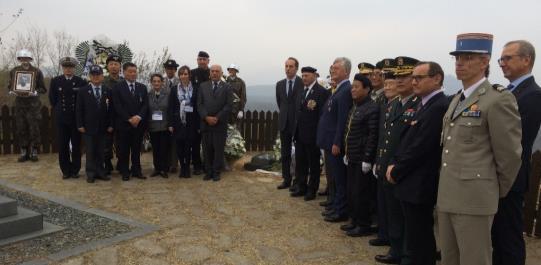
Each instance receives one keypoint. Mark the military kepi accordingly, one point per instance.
(473, 43)
(68, 62)
(308, 69)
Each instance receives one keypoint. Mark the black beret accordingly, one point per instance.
(363, 79)
(308, 69)
(96, 70)
(203, 54)
(170, 64)
(113, 57)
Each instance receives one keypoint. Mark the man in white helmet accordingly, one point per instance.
(27, 107)
(239, 89)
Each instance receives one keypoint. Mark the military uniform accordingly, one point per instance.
(110, 141)
(63, 96)
(481, 156)
(28, 113)
(239, 89)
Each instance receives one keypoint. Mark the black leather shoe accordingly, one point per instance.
(347, 227)
(284, 185)
(125, 177)
(309, 196)
(164, 174)
(335, 218)
(207, 177)
(216, 177)
(327, 212)
(324, 203)
(387, 259)
(90, 180)
(138, 176)
(378, 242)
(105, 177)
(359, 231)
(298, 193)
(293, 188)
(66, 176)
(74, 175)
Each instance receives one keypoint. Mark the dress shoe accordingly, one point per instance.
(359, 231)
(90, 180)
(387, 259)
(216, 177)
(66, 176)
(378, 242)
(309, 196)
(155, 173)
(104, 177)
(335, 218)
(298, 193)
(197, 171)
(347, 227)
(138, 176)
(164, 174)
(293, 188)
(284, 185)
(125, 177)
(74, 175)
(207, 177)
(324, 203)
(327, 212)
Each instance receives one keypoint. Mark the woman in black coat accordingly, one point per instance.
(361, 142)
(184, 119)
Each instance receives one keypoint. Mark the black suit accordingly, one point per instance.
(309, 108)
(507, 240)
(185, 134)
(286, 120)
(127, 105)
(417, 163)
(198, 76)
(95, 117)
(63, 96)
(214, 102)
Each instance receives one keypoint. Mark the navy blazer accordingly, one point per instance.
(94, 117)
(63, 96)
(127, 105)
(528, 95)
(418, 157)
(332, 123)
(307, 118)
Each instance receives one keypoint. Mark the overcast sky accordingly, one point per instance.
(260, 35)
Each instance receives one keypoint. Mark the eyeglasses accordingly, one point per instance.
(418, 78)
(506, 58)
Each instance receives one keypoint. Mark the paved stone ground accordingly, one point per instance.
(242, 219)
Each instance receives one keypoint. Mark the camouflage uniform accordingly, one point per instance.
(108, 81)
(239, 89)
(28, 113)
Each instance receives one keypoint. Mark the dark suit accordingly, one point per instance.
(417, 162)
(63, 96)
(286, 120)
(198, 76)
(95, 117)
(330, 131)
(507, 240)
(307, 154)
(184, 135)
(396, 121)
(127, 105)
(214, 103)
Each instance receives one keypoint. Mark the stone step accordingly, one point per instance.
(8, 207)
(24, 222)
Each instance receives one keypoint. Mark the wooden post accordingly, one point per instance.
(248, 130)
(255, 127)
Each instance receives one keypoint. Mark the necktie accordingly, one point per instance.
(306, 92)
(132, 90)
(290, 88)
(510, 87)
(97, 93)
(462, 97)
(215, 86)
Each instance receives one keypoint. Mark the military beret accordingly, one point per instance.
(96, 70)
(170, 64)
(366, 68)
(203, 54)
(404, 65)
(68, 62)
(363, 79)
(473, 43)
(308, 69)
(113, 57)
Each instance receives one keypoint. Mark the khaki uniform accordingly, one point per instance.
(480, 161)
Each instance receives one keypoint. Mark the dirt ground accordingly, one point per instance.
(242, 219)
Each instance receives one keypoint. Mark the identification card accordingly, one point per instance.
(157, 115)
(188, 108)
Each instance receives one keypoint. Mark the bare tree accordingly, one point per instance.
(38, 43)
(146, 66)
(62, 45)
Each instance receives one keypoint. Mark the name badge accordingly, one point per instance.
(157, 115)
(188, 108)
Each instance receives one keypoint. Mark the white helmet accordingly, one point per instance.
(233, 66)
(24, 53)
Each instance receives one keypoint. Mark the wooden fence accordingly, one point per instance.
(259, 130)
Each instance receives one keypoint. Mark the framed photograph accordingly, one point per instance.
(23, 82)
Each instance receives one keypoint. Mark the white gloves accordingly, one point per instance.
(345, 160)
(12, 93)
(366, 167)
(374, 171)
(240, 115)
